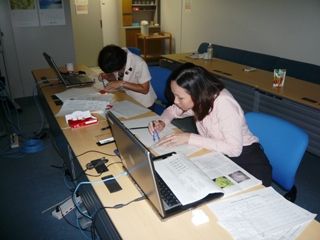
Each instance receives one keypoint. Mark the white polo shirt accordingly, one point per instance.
(137, 72)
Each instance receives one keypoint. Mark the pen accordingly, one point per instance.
(137, 128)
(105, 128)
(104, 85)
(155, 133)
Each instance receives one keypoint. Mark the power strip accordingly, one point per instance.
(65, 208)
(14, 140)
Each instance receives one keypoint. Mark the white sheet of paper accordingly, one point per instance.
(70, 106)
(185, 179)
(75, 93)
(259, 214)
(127, 109)
(147, 139)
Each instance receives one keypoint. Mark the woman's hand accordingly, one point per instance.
(156, 126)
(174, 139)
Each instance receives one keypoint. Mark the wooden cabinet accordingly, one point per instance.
(127, 12)
(128, 38)
(131, 34)
(151, 46)
(135, 11)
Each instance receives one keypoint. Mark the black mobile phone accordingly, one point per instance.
(112, 184)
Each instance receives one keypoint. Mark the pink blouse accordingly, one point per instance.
(223, 130)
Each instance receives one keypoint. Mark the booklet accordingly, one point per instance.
(229, 176)
(193, 179)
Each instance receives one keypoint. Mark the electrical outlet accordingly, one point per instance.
(14, 140)
(65, 208)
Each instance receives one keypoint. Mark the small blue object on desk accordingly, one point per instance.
(155, 134)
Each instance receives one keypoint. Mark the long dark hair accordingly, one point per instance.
(203, 88)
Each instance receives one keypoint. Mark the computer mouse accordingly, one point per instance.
(81, 72)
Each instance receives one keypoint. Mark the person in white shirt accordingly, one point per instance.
(127, 71)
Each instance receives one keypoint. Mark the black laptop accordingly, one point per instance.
(69, 80)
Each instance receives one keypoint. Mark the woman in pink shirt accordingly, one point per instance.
(218, 117)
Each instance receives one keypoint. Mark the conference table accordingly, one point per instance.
(136, 220)
(297, 101)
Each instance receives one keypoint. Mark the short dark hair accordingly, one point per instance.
(112, 58)
(203, 88)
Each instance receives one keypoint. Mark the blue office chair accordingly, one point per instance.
(159, 76)
(284, 144)
(135, 50)
(203, 47)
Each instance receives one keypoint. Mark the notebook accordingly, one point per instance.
(66, 79)
(139, 162)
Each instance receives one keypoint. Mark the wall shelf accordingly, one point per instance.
(144, 5)
(143, 10)
(134, 12)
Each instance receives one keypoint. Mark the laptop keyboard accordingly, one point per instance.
(167, 195)
(71, 79)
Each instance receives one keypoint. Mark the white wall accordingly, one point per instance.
(286, 28)
(171, 21)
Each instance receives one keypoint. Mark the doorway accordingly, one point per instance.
(87, 33)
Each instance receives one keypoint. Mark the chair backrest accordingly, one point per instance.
(203, 47)
(135, 50)
(284, 144)
(159, 76)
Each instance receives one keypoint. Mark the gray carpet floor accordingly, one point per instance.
(30, 184)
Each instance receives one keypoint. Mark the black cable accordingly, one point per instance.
(117, 206)
(99, 174)
(107, 154)
(55, 147)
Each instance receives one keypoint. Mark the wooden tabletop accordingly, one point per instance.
(138, 220)
(296, 90)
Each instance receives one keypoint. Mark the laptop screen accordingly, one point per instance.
(136, 158)
(53, 65)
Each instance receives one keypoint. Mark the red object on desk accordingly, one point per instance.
(83, 122)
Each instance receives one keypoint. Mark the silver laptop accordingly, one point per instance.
(138, 161)
(72, 80)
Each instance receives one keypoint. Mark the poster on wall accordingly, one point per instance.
(24, 13)
(187, 5)
(81, 6)
(51, 12)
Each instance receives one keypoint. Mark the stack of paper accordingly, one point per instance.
(261, 214)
